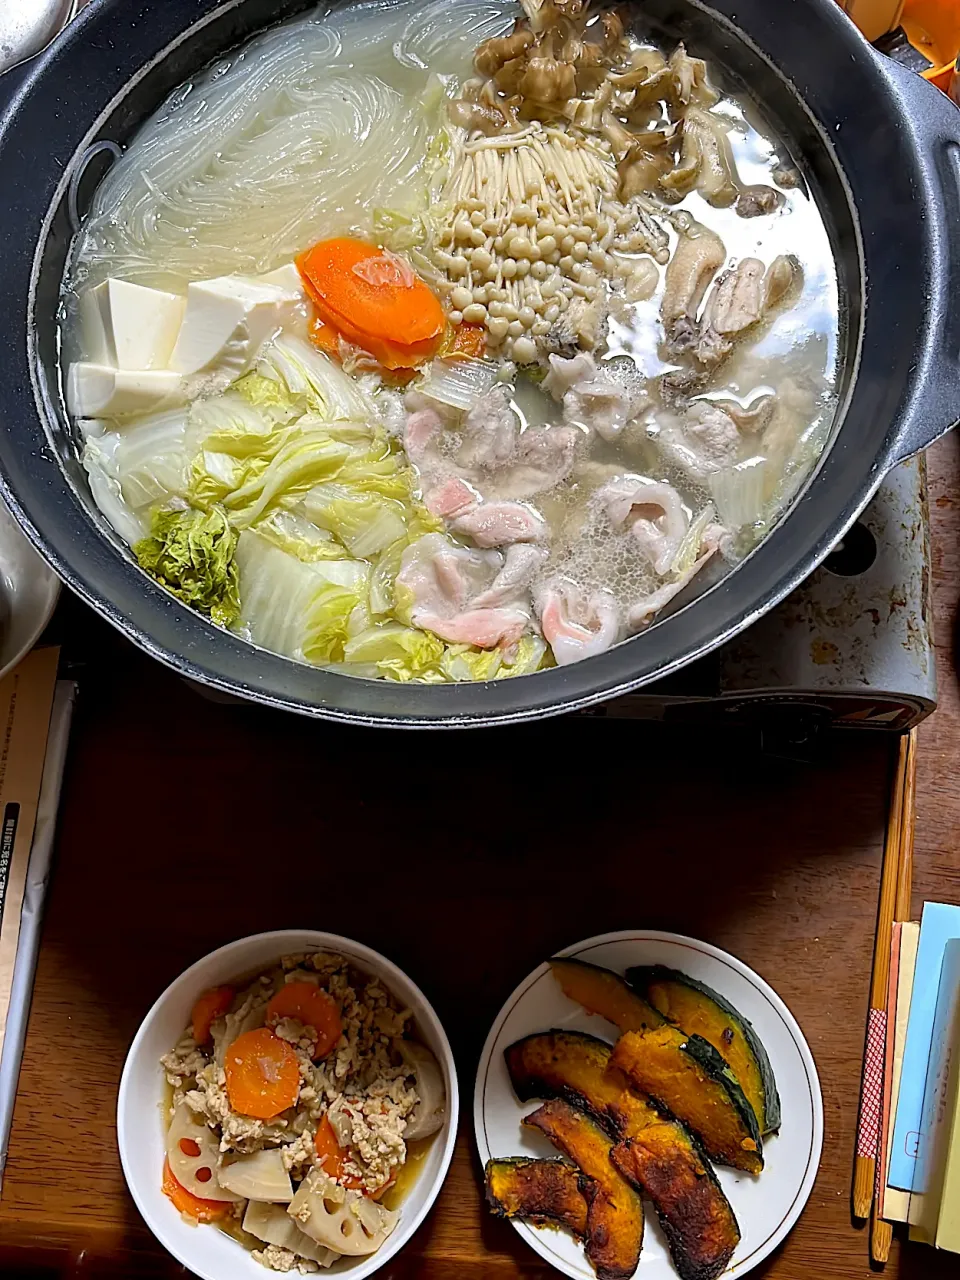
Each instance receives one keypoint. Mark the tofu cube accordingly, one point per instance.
(129, 325)
(228, 320)
(101, 391)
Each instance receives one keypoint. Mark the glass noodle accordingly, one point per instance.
(285, 142)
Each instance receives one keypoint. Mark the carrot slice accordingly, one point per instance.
(314, 1008)
(390, 354)
(379, 293)
(186, 1202)
(325, 337)
(210, 1006)
(263, 1074)
(326, 330)
(331, 1154)
(469, 340)
(374, 299)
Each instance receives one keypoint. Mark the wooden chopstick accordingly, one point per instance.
(902, 911)
(881, 1231)
(871, 1088)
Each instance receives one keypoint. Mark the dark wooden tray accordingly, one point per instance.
(186, 823)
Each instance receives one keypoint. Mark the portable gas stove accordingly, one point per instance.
(852, 647)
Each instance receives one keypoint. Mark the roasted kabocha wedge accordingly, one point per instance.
(614, 1231)
(664, 1162)
(686, 1075)
(545, 1192)
(576, 1067)
(604, 992)
(695, 1215)
(698, 1010)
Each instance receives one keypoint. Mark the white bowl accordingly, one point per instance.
(140, 1128)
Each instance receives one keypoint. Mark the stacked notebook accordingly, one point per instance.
(35, 712)
(920, 1184)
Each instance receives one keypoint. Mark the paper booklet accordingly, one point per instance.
(35, 713)
(935, 1203)
(896, 1203)
(939, 924)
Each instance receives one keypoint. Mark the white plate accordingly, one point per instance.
(766, 1207)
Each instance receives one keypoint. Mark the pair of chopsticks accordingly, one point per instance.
(896, 883)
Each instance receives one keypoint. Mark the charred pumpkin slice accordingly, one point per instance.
(667, 1164)
(699, 1010)
(604, 992)
(545, 1192)
(686, 1075)
(696, 1216)
(615, 1212)
(576, 1067)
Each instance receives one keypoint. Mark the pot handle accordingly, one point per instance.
(934, 118)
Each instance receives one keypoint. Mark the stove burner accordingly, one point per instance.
(854, 554)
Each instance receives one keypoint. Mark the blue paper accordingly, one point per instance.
(940, 923)
(928, 1174)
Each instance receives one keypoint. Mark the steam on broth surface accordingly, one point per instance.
(449, 342)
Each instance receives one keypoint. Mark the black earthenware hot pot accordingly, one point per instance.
(879, 147)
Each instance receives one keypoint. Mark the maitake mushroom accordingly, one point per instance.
(551, 67)
(548, 60)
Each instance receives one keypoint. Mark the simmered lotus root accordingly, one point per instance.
(342, 1220)
(273, 1225)
(193, 1154)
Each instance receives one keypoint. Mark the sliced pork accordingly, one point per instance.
(654, 514)
(443, 581)
(497, 524)
(577, 624)
(522, 563)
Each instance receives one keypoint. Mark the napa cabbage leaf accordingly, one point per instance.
(152, 459)
(316, 380)
(191, 553)
(466, 662)
(398, 652)
(295, 607)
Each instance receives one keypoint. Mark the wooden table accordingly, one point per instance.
(186, 823)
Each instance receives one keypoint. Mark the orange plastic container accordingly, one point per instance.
(933, 27)
(874, 17)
